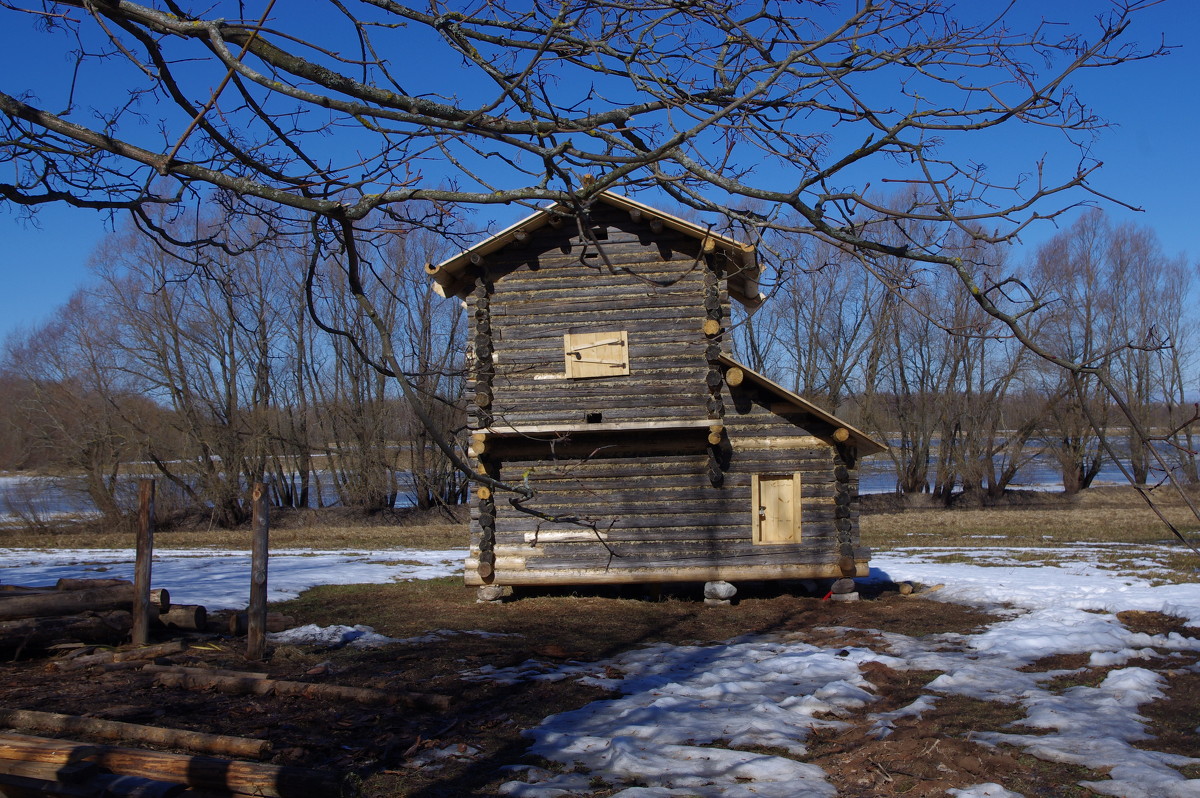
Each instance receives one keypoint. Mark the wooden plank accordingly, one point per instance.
(669, 573)
(500, 431)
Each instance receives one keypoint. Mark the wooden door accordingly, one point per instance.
(776, 510)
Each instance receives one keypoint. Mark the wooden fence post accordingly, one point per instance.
(256, 615)
(141, 569)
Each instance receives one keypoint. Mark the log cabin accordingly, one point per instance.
(602, 377)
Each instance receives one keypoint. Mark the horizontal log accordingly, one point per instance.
(137, 654)
(512, 523)
(89, 584)
(538, 329)
(238, 622)
(49, 771)
(666, 319)
(55, 723)
(669, 573)
(70, 602)
(814, 525)
(75, 785)
(530, 293)
(155, 668)
(38, 634)
(186, 617)
(593, 308)
(333, 692)
(197, 772)
(634, 279)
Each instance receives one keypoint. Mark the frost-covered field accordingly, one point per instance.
(687, 715)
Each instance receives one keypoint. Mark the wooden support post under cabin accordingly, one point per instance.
(199, 742)
(197, 772)
(140, 634)
(256, 613)
(191, 680)
(72, 602)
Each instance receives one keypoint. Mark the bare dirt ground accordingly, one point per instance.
(380, 749)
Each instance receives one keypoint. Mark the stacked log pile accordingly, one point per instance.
(43, 766)
(76, 610)
(92, 611)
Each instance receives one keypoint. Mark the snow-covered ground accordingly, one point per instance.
(221, 579)
(687, 714)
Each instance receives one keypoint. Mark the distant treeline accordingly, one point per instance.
(917, 361)
(218, 371)
(211, 373)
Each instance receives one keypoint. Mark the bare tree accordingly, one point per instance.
(797, 108)
(78, 408)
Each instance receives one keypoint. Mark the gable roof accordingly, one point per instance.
(452, 277)
(865, 443)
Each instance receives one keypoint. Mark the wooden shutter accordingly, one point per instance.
(604, 354)
(776, 508)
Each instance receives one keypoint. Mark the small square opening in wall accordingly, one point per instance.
(594, 418)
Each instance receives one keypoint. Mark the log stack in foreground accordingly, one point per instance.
(43, 766)
(93, 611)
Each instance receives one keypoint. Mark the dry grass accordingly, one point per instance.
(1100, 515)
(301, 530)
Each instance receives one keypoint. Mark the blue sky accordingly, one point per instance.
(1149, 155)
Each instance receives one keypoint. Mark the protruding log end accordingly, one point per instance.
(734, 377)
(711, 327)
(841, 434)
(484, 493)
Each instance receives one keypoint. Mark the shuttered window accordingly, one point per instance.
(604, 354)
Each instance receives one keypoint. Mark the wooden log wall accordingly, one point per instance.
(652, 505)
(651, 511)
(659, 288)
